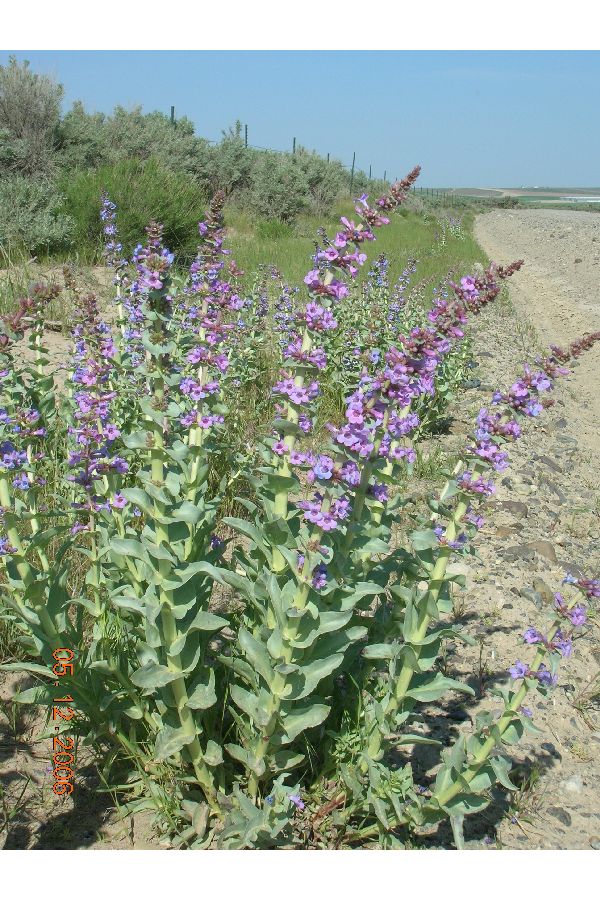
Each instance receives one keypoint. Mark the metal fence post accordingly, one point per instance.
(245, 136)
(352, 172)
(172, 115)
(294, 146)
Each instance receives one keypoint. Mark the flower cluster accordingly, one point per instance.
(112, 247)
(322, 513)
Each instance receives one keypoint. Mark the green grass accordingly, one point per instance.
(289, 248)
(409, 234)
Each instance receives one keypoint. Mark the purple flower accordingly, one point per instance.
(562, 644)
(519, 670)
(5, 547)
(79, 526)
(577, 615)
(532, 636)
(319, 577)
(323, 468)
(526, 711)
(119, 501)
(296, 800)
(380, 492)
(545, 677)
(279, 447)
(111, 432)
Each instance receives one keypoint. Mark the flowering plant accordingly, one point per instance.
(248, 669)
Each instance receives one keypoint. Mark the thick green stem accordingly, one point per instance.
(436, 583)
(281, 502)
(169, 623)
(279, 682)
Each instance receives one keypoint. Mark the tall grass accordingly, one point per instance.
(413, 234)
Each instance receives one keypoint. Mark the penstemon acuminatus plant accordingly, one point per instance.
(230, 681)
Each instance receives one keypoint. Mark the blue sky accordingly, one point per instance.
(480, 119)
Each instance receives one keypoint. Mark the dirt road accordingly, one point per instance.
(558, 290)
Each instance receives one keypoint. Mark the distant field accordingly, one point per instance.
(579, 197)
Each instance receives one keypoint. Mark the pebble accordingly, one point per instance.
(522, 552)
(595, 842)
(533, 596)
(544, 548)
(559, 813)
(515, 508)
(542, 588)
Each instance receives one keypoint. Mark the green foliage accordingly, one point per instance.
(325, 180)
(29, 118)
(146, 191)
(92, 140)
(278, 187)
(226, 682)
(33, 217)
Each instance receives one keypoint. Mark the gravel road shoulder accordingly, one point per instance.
(558, 288)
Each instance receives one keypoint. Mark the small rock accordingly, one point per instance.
(554, 488)
(578, 259)
(504, 531)
(541, 587)
(573, 785)
(523, 489)
(533, 596)
(559, 813)
(546, 461)
(515, 508)
(524, 552)
(595, 842)
(571, 567)
(544, 548)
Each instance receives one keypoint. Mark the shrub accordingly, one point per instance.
(29, 116)
(146, 190)
(31, 215)
(325, 180)
(507, 203)
(279, 187)
(92, 140)
(230, 163)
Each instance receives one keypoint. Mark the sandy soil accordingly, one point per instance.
(558, 290)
